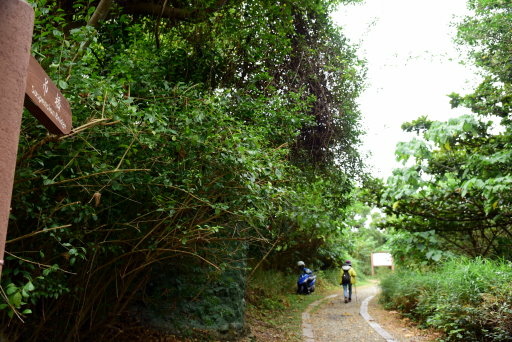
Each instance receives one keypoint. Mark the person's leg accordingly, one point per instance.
(349, 292)
(345, 292)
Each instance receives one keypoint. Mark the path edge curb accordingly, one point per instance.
(376, 326)
(307, 328)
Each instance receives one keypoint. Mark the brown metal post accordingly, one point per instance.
(16, 27)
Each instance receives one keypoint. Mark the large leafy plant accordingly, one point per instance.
(457, 175)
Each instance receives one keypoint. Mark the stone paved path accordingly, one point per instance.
(331, 320)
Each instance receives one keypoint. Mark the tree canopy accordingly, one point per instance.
(457, 176)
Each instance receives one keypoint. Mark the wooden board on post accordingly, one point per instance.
(382, 259)
(44, 100)
(23, 80)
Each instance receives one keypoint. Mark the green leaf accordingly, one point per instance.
(48, 181)
(395, 205)
(29, 286)
(467, 127)
(15, 299)
(63, 84)
(11, 288)
(437, 256)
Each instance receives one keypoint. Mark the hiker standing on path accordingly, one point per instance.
(348, 278)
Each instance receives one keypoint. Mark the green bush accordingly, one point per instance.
(268, 288)
(468, 299)
(328, 277)
(272, 283)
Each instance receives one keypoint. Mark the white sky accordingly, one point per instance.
(412, 66)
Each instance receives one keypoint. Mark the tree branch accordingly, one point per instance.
(180, 14)
(100, 13)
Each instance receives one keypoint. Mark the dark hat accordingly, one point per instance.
(348, 262)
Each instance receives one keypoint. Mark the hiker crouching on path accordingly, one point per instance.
(348, 278)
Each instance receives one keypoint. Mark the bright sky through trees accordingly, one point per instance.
(412, 66)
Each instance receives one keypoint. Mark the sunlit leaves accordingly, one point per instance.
(457, 180)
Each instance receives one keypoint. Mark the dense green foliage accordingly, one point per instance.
(197, 139)
(468, 299)
(417, 250)
(456, 179)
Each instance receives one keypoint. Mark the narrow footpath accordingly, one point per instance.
(331, 320)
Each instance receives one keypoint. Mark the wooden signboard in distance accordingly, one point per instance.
(382, 259)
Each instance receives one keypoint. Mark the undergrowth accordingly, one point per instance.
(468, 299)
(273, 303)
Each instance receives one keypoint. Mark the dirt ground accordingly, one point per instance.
(402, 329)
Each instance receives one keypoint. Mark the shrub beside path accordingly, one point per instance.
(331, 320)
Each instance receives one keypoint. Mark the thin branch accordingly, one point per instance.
(4, 296)
(90, 124)
(125, 153)
(37, 263)
(37, 233)
(97, 174)
(168, 257)
(264, 257)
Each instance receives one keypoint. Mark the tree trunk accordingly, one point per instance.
(100, 13)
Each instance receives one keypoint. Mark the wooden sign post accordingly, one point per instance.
(22, 77)
(44, 100)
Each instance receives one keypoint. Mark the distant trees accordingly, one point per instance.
(458, 175)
